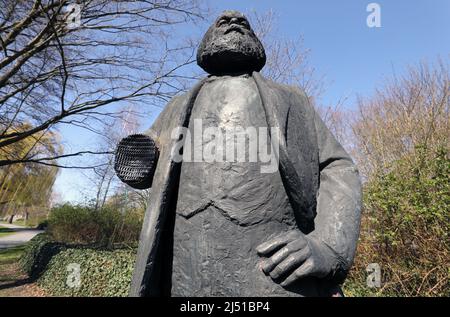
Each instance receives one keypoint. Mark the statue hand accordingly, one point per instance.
(295, 256)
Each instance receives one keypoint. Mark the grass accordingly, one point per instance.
(20, 222)
(30, 223)
(9, 259)
(5, 231)
(13, 281)
(11, 255)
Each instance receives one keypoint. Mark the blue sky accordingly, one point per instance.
(354, 58)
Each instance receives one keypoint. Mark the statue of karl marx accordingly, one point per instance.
(224, 228)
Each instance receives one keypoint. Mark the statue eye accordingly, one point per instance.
(245, 23)
(222, 22)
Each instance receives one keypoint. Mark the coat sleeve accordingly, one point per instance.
(338, 202)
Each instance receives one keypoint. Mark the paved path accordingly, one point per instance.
(21, 236)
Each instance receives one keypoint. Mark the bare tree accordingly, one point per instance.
(287, 59)
(288, 63)
(410, 110)
(62, 62)
(103, 175)
(401, 135)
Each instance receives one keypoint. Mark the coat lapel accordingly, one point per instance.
(277, 109)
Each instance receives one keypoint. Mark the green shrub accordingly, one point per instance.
(105, 227)
(102, 272)
(92, 239)
(405, 228)
(38, 252)
(42, 225)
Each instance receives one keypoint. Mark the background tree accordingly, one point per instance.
(399, 138)
(103, 176)
(287, 59)
(410, 110)
(401, 143)
(288, 63)
(26, 189)
(62, 62)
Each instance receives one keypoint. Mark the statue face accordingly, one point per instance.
(230, 46)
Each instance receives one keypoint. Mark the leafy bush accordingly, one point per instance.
(406, 227)
(102, 272)
(84, 225)
(42, 225)
(38, 252)
(89, 238)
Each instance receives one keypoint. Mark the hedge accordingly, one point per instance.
(102, 272)
(406, 228)
(38, 252)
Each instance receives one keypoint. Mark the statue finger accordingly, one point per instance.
(275, 244)
(299, 243)
(294, 260)
(293, 246)
(269, 264)
(304, 270)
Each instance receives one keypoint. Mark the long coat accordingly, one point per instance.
(320, 179)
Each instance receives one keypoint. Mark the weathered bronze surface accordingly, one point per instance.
(224, 228)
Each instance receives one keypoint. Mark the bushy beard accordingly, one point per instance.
(229, 52)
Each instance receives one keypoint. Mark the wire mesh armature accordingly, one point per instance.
(135, 160)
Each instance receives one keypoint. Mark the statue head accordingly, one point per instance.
(230, 46)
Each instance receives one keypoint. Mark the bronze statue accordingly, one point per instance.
(224, 227)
